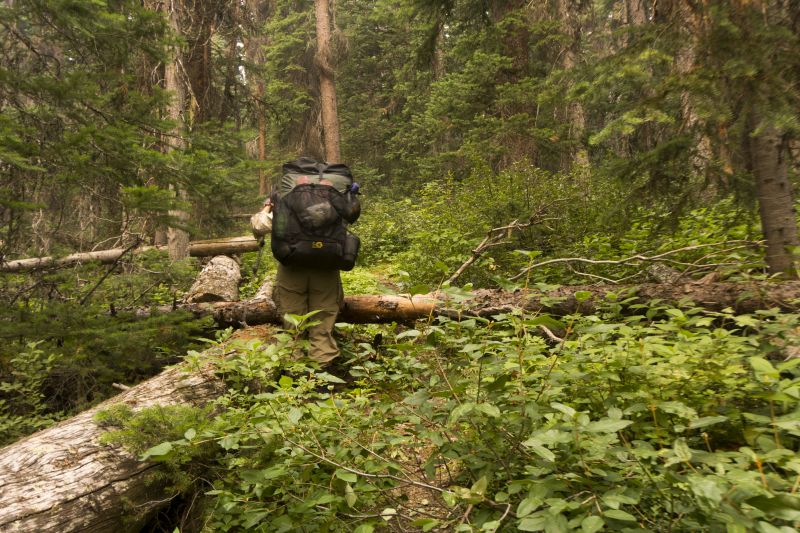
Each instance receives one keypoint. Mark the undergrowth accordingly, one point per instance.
(652, 419)
(68, 336)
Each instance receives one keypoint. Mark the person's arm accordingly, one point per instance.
(347, 204)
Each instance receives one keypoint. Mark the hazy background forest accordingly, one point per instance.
(648, 141)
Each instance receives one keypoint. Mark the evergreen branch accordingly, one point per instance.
(110, 270)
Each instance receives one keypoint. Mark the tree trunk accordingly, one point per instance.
(768, 155)
(177, 237)
(327, 87)
(569, 14)
(263, 188)
(217, 282)
(366, 309)
(226, 246)
(62, 479)
(636, 12)
(255, 56)
(691, 28)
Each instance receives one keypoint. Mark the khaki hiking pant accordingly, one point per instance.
(301, 290)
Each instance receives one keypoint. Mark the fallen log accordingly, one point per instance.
(62, 479)
(218, 281)
(741, 297)
(226, 246)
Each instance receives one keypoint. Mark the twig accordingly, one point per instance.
(130, 305)
(497, 237)
(366, 474)
(637, 257)
(550, 334)
(110, 270)
(23, 291)
(556, 354)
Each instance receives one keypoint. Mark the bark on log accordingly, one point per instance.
(62, 479)
(226, 246)
(102, 256)
(741, 297)
(217, 282)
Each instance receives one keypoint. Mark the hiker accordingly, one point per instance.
(312, 207)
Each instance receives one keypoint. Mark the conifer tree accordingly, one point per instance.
(177, 236)
(324, 61)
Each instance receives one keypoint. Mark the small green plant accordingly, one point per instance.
(23, 398)
(659, 419)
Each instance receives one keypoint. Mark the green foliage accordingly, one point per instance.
(722, 238)
(23, 403)
(361, 281)
(661, 418)
(60, 356)
(431, 233)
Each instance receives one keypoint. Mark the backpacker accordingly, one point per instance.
(312, 207)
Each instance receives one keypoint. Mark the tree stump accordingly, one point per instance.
(217, 282)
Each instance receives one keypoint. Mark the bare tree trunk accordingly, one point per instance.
(253, 45)
(177, 237)
(263, 188)
(327, 87)
(226, 246)
(691, 28)
(438, 56)
(569, 15)
(635, 12)
(768, 153)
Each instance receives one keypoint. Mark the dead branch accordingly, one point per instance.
(638, 258)
(497, 237)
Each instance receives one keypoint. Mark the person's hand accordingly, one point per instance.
(354, 187)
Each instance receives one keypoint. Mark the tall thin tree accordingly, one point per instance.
(327, 86)
(177, 237)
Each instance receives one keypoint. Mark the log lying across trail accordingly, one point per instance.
(741, 297)
(226, 246)
(62, 480)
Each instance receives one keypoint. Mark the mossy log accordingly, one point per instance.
(62, 479)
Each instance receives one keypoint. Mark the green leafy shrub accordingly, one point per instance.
(432, 233)
(659, 419)
(23, 403)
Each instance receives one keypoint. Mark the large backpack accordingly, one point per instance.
(309, 225)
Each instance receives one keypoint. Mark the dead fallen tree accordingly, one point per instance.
(62, 479)
(226, 246)
(741, 297)
(218, 281)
